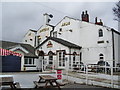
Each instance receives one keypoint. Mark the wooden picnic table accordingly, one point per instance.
(7, 81)
(47, 79)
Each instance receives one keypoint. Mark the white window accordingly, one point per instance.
(55, 34)
(74, 57)
(61, 56)
(100, 33)
(101, 57)
(50, 57)
(29, 61)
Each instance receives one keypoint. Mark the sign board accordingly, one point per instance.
(44, 29)
(49, 45)
(65, 24)
(59, 71)
(59, 76)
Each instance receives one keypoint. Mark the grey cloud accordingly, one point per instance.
(19, 17)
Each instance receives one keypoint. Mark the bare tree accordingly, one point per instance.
(116, 11)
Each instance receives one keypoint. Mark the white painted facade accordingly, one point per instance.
(22, 51)
(43, 33)
(56, 47)
(86, 34)
(30, 38)
(81, 33)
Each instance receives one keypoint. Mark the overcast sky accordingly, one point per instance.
(19, 17)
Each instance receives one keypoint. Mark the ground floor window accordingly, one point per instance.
(101, 57)
(29, 61)
(74, 58)
(61, 58)
(50, 57)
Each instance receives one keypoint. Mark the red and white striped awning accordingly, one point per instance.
(4, 52)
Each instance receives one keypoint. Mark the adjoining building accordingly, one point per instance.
(27, 60)
(73, 41)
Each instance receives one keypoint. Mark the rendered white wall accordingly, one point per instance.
(86, 35)
(27, 37)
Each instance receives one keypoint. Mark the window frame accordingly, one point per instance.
(101, 57)
(100, 33)
(55, 34)
(61, 55)
(50, 54)
(29, 61)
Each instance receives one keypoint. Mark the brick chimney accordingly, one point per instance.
(98, 23)
(85, 16)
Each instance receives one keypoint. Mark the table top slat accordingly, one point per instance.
(47, 77)
(6, 79)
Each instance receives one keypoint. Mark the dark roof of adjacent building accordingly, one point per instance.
(61, 41)
(8, 45)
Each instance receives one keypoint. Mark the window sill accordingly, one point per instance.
(29, 66)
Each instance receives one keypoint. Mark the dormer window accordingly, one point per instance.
(100, 33)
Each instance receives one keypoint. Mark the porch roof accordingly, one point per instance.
(61, 41)
(9, 45)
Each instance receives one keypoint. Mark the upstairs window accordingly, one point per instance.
(30, 39)
(100, 33)
(55, 34)
(60, 29)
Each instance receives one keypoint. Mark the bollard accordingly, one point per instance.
(59, 75)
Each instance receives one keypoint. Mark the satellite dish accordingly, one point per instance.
(51, 16)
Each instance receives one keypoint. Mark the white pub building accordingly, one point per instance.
(72, 42)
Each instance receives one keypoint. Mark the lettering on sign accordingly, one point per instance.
(59, 76)
(44, 29)
(49, 45)
(66, 23)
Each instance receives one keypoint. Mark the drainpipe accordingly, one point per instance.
(70, 56)
(113, 48)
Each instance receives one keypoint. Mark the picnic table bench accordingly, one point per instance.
(8, 81)
(46, 81)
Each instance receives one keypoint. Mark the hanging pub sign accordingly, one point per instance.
(65, 24)
(49, 45)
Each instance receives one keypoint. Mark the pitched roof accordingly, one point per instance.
(118, 32)
(115, 31)
(61, 41)
(8, 45)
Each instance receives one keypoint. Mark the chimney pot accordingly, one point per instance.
(85, 17)
(96, 20)
(83, 12)
(86, 11)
